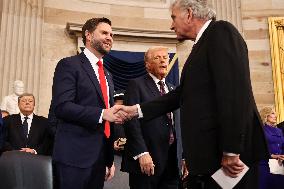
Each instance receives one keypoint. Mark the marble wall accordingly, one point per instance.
(255, 15)
(34, 38)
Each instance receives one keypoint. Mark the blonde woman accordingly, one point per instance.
(275, 141)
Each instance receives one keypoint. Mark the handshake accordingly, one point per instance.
(120, 113)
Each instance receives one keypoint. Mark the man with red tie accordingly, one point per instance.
(83, 147)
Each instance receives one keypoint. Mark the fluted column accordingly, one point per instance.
(229, 10)
(20, 47)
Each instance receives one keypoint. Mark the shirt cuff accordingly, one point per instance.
(230, 154)
(101, 117)
(140, 114)
(139, 155)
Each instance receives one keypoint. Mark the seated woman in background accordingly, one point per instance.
(275, 142)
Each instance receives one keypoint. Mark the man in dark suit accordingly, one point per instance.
(26, 131)
(153, 151)
(220, 123)
(82, 96)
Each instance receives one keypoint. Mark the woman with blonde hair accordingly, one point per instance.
(275, 141)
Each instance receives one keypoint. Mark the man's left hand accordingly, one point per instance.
(232, 165)
(109, 172)
(28, 150)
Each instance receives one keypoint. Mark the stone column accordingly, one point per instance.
(20, 47)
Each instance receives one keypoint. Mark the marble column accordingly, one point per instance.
(20, 47)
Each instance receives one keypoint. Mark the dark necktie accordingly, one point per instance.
(103, 85)
(169, 115)
(25, 127)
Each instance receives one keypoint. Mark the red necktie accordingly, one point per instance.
(103, 85)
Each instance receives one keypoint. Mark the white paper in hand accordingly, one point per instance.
(227, 182)
(275, 167)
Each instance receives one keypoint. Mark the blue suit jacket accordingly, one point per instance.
(78, 104)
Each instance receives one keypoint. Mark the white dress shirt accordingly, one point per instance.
(29, 120)
(94, 60)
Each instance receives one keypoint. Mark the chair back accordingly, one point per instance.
(21, 170)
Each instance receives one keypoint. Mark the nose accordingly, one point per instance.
(109, 37)
(172, 26)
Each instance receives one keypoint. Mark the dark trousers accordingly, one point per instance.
(169, 179)
(249, 181)
(68, 177)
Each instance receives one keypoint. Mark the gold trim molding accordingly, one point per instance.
(276, 33)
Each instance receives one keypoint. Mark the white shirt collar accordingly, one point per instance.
(92, 58)
(156, 80)
(29, 116)
(201, 31)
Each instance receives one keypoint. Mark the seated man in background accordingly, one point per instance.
(26, 131)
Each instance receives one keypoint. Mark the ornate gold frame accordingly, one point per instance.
(276, 32)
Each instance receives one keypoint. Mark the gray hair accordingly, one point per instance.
(200, 8)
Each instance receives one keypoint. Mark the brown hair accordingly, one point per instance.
(25, 94)
(92, 24)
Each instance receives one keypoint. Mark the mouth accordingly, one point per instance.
(107, 45)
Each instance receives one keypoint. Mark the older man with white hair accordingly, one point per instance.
(220, 123)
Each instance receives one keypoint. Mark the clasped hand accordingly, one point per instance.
(120, 113)
(232, 165)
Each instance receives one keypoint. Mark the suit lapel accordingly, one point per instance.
(170, 87)
(152, 85)
(91, 73)
(111, 87)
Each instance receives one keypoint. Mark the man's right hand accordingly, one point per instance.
(130, 111)
(114, 115)
(146, 164)
(232, 165)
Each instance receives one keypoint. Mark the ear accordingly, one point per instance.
(147, 65)
(189, 14)
(88, 35)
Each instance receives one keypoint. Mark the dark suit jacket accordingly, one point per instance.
(37, 138)
(1, 134)
(78, 103)
(218, 111)
(148, 136)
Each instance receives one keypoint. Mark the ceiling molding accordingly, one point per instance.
(128, 34)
